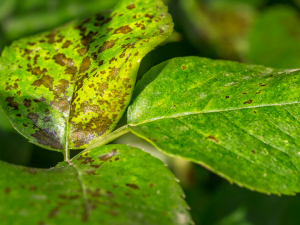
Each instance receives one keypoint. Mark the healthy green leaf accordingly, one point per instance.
(276, 25)
(114, 184)
(241, 121)
(61, 89)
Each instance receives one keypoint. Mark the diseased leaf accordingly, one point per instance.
(241, 121)
(276, 25)
(63, 88)
(113, 184)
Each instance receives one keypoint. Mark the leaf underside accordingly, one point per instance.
(240, 121)
(63, 88)
(108, 185)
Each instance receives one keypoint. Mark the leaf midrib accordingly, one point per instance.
(211, 111)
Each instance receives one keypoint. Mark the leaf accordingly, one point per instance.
(240, 121)
(63, 88)
(276, 25)
(108, 185)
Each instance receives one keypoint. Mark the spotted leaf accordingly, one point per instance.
(108, 185)
(240, 121)
(63, 88)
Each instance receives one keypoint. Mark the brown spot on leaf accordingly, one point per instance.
(53, 213)
(212, 138)
(248, 102)
(27, 102)
(12, 104)
(66, 44)
(124, 30)
(107, 45)
(183, 67)
(253, 151)
(131, 6)
(7, 191)
(133, 186)
(48, 138)
(62, 60)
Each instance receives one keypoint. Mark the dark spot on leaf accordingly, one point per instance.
(107, 45)
(212, 138)
(27, 102)
(91, 172)
(66, 44)
(253, 151)
(248, 102)
(227, 96)
(7, 191)
(46, 119)
(183, 67)
(124, 30)
(161, 31)
(32, 188)
(48, 138)
(254, 111)
(30, 170)
(109, 194)
(131, 6)
(133, 186)
(149, 16)
(12, 104)
(53, 213)
(261, 84)
(151, 185)
(108, 156)
(244, 93)
(34, 117)
(18, 115)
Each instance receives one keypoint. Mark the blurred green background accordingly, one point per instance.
(265, 32)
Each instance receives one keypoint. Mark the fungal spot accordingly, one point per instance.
(53, 213)
(91, 172)
(27, 103)
(108, 156)
(183, 67)
(151, 185)
(254, 111)
(95, 166)
(124, 30)
(117, 158)
(253, 151)
(244, 93)
(46, 119)
(131, 6)
(62, 60)
(109, 194)
(11, 103)
(107, 45)
(7, 191)
(261, 84)
(66, 44)
(258, 92)
(18, 115)
(227, 96)
(48, 138)
(161, 31)
(133, 186)
(149, 16)
(294, 172)
(85, 65)
(248, 102)
(81, 51)
(212, 138)
(32, 171)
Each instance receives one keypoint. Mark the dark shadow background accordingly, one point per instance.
(263, 32)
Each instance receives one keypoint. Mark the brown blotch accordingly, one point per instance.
(253, 151)
(131, 6)
(7, 191)
(212, 138)
(85, 65)
(18, 115)
(66, 44)
(108, 156)
(261, 84)
(254, 111)
(133, 186)
(81, 51)
(91, 172)
(109, 194)
(183, 67)
(46, 119)
(227, 96)
(161, 31)
(53, 213)
(248, 102)
(149, 16)
(12, 104)
(48, 138)
(62, 60)
(107, 45)
(34, 117)
(244, 93)
(27, 102)
(151, 185)
(114, 72)
(117, 158)
(124, 30)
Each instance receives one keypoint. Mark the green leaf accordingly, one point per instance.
(241, 121)
(63, 88)
(274, 39)
(114, 184)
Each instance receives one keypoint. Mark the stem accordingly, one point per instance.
(67, 153)
(110, 137)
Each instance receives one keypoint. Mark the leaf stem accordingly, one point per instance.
(108, 138)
